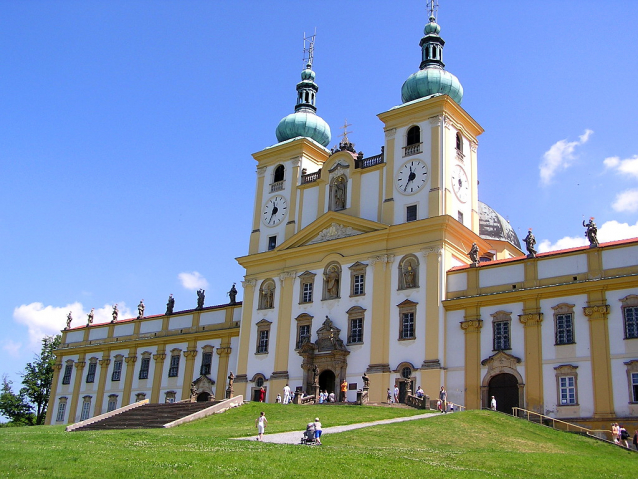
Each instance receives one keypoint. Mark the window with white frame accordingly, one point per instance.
(358, 279)
(407, 324)
(307, 286)
(263, 336)
(634, 387)
(567, 384)
(630, 315)
(564, 323)
(173, 369)
(86, 408)
(117, 368)
(632, 379)
(90, 375)
(68, 371)
(304, 333)
(501, 326)
(145, 365)
(61, 409)
(207, 362)
(355, 324)
(112, 404)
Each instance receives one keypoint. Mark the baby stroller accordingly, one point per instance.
(309, 436)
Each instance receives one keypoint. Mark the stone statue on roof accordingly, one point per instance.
(90, 317)
(200, 298)
(592, 232)
(530, 242)
(115, 313)
(233, 294)
(69, 318)
(473, 254)
(140, 309)
(170, 304)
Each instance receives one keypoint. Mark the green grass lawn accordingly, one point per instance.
(460, 445)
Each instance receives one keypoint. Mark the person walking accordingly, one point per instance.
(390, 397)
(443, 399)
(624, 435)
(260, 424)
(396, 394)
(615, 430)
(286, 394)
(317, 431)
(493, 404)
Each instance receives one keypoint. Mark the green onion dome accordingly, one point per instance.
(304, 121)
(431, 78)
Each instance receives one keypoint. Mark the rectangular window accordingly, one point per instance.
(306, 295)
(262, 347)
(358, 287)
(631, 322)
(117, 370)
(567, 390)
(207, 361)
(146, 364)
(501, 335)
(303, 335)
(634, 386)
(112, 406)
(68, 370)
(564, 328)
(356, 330)
(61, 411)
(173, 370)
(272, 242)
(460, 216)
(90, 376)
(86, 409)
(410, 213)
(407, 325)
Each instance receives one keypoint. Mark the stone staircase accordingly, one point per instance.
(148, 416)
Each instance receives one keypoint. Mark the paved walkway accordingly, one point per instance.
(295, 436)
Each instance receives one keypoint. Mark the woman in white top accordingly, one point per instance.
(260, 424)
(317, 431)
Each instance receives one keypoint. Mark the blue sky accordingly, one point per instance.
(127, 128)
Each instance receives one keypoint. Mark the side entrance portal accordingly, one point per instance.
(504, 387)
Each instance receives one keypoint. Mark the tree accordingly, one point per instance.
(14, 406)
(38, 377)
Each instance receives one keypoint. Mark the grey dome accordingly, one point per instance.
(493, 226)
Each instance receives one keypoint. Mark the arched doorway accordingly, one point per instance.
(327, 381)
(504, 387)
(203, 397)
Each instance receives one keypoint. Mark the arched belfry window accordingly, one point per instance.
(278, 179)
(459, 142)
(414, 136)
(338, 193)
(279, 173)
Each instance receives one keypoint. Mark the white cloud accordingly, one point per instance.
(49, 320)
(627, 166)
(609, 231)
(11, 347)
(560, 157)
(192, 280)
(626, 201)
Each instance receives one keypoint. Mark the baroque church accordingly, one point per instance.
(360, 266)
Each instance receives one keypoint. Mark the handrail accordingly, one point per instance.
(569, 427)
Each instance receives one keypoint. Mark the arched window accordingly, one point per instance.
(338, 193)
(406, 372)
(332, 281)
(409, 272)
(267, 294)
(459, 143)
(279, 173)
(414, 136)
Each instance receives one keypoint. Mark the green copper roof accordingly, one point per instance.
(431, 77)
(304, 121)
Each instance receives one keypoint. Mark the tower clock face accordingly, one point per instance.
(460, 185)
(274, 211)
(412, 176)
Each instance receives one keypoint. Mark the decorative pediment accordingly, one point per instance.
(501, 360)
(339, 165)
(331, 226)
(334, 231)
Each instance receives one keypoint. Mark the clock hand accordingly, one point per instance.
(411, 177)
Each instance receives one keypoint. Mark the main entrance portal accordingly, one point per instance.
(327, 381)
(504, 387)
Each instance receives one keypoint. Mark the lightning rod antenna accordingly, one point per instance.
(309, 48)
(433, 8)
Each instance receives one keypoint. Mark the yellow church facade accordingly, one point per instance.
(386, 266)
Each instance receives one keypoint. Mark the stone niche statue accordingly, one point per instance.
(408, 276)
(474, 254)
(332, 279)
(116, 313)
(315, 375)
(591, 233)
(267, 296)
(140, 309)
(90, 317)
(170, 304)
(530, 242)
(200, 298)
(232, 294)
(69, 318)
